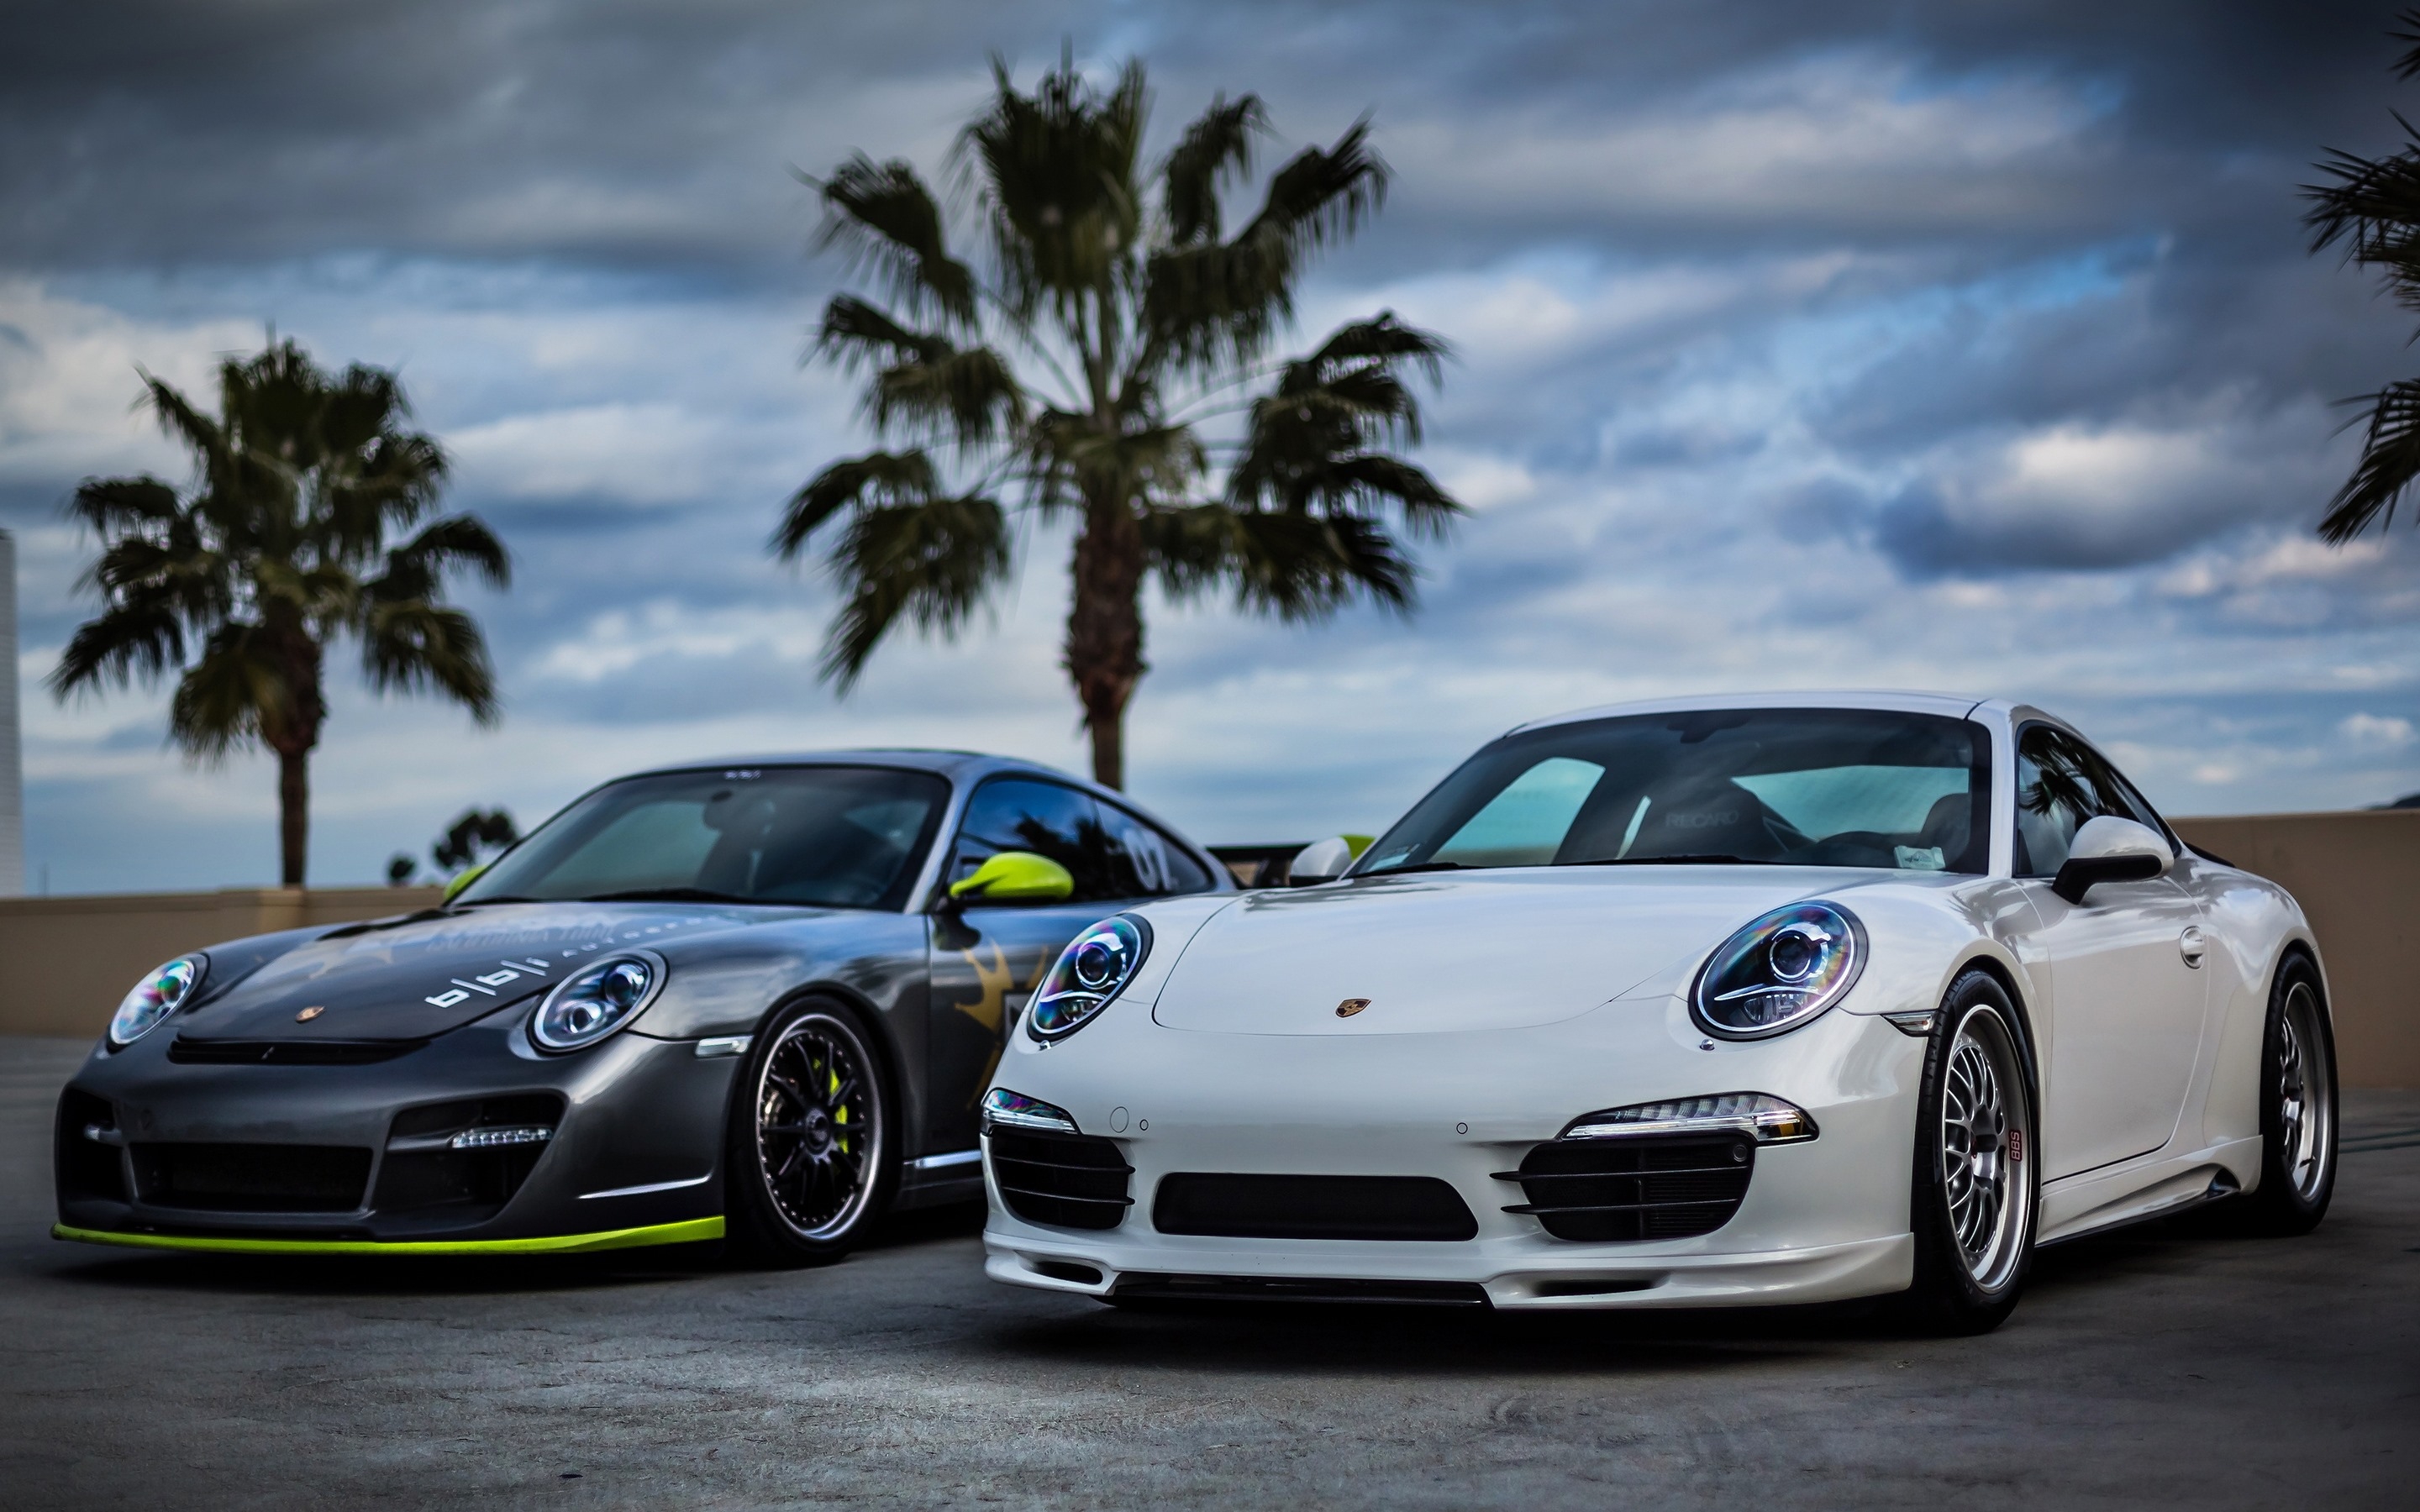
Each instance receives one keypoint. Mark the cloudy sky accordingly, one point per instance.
(1972, 348)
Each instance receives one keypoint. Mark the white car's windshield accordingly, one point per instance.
(843, 837)
(1789, 787)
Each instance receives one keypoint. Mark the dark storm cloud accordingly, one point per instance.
(175, 132)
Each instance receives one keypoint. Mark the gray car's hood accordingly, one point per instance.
(418, 976)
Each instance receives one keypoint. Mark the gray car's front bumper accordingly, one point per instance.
(634, 1156)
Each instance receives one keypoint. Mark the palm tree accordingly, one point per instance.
(1065, 373)
(279, 549)
(2373, 207)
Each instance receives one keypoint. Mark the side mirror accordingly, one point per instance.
(2110, 849)
(454, 888)
(1324, 861)
(1015, 877)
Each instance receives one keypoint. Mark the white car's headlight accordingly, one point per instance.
(161, 992)
(1779, 972)
(1091, 971)
(603, 997)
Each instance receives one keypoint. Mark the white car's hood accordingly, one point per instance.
(1441, 952)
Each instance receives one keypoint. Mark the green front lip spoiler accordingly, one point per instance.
(692, 1231)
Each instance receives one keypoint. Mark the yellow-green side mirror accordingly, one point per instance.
(1016, 877)
(463, 881)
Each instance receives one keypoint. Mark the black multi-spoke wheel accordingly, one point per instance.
(1976, 1165)
(811, 1159)
(2297, 1108)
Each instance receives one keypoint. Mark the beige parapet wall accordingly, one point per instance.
(69, 960)
(2358, 874)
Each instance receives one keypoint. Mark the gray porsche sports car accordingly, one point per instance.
(756, 1000)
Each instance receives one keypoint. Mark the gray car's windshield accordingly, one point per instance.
(1791, 787)
(846, 837)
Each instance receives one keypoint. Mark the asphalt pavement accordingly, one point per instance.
(2171, 1366)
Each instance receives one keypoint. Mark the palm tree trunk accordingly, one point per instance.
(1104, 630)
(293, 813)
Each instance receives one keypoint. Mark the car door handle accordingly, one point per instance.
(2189, 944)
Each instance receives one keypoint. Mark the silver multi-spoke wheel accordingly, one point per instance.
(2305, 1108)
(1986, 1138)
(819, 1126)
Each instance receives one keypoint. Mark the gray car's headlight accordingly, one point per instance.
(1093, 969)
(1779, 972)
(601, 997)
(161, 992)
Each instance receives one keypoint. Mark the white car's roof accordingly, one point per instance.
(1955, 706)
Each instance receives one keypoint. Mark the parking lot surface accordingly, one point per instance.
(2172, 1365)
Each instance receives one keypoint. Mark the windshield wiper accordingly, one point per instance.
(669, 895)
(474, 902)
(1686, 858)
(1417, 866)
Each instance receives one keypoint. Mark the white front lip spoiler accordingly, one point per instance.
(1830, 1273)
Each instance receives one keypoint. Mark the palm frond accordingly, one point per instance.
(964, 397)
(1215, 147)
(932, 562)
(237, 690)
(854, 332)
(1295, 566)
(882, 477)
(111, 506)
(412, 645)
(884, 217)
(2390, 462)
(142, 638)
(1057, 174)
(1217, 303)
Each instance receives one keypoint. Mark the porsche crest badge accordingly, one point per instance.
(310, 1013)
(1350, 1005)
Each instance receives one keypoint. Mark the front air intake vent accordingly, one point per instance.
(1137, 1285)
(1644, 1187)
(1311, 1207)
(1064, 1180)
(86, 1145)
(253, 1178)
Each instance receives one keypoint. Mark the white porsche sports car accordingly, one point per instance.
(1699, 1002)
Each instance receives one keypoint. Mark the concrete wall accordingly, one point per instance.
(2357, 876)
(69, 960)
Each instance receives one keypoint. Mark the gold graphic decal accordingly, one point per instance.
(310, 1013)
(1350, 1005)
(991, 1009)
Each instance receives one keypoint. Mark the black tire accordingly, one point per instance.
(811, 1159)
(1976, 1194)
(2297, 1108)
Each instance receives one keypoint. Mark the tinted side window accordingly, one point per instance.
(1144, 863)
(2061, 782)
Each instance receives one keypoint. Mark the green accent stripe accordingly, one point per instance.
(689, 1232)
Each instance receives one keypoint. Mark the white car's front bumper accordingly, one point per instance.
(1822, 1220)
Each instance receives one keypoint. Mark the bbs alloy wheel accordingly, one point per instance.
(1985, 1127)
(813, 1164)
(1977, 1171)
(2298, 1109)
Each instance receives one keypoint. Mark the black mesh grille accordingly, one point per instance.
(1658, 1186)
(1066, 1181)
(87, 1166)
(1146, 1286)
(191, 1052)
(1310, 1207)
(253, 1178)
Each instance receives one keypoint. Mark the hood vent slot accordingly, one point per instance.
(187, 1050)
